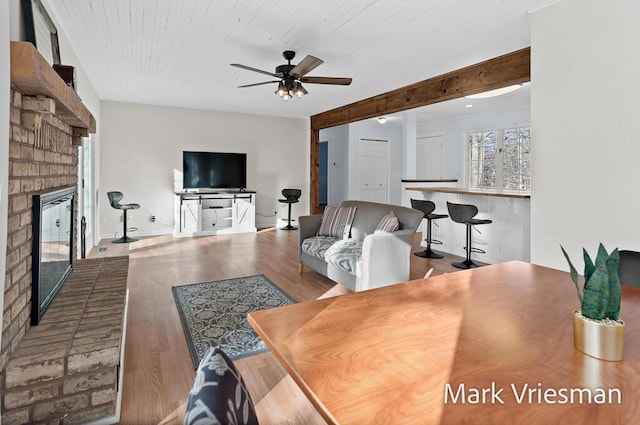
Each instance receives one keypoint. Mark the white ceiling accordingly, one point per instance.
(457, 108)
(177, 53)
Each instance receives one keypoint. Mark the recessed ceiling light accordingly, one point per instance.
(382, 120)
(468, 105)
(496, 92)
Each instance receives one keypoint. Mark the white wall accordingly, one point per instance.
(585, 109)
(5, 81)
(454, 128)
(142, 145)
(410, 142)
(338, 165)
(16, 24)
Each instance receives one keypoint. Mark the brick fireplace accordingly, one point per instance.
(69, 364)
(34, 167)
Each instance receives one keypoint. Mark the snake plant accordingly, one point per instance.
(600, 297)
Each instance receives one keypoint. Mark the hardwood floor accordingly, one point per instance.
(158, 372)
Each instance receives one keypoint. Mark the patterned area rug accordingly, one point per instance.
(215, 314)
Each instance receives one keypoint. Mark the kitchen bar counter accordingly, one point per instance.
(507, 238)
(464, 191)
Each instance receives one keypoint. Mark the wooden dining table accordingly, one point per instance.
(492, 345)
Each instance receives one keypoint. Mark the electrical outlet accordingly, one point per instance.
(152, 218)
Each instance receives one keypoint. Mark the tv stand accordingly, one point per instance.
(214, 211)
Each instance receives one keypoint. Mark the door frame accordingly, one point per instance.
(90, 190)
(326, 166)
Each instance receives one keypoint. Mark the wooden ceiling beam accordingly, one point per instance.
(502, 71)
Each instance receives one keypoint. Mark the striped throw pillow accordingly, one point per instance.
(388, 223)
(337, 221)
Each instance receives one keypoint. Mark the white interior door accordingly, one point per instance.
(429, 157)
(373, 170)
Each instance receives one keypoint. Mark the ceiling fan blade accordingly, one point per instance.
(327, 80)
(259, 84)
(248, 68)
(306, 65)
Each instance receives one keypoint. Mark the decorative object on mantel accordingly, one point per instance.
(597, 330)
(40, 30)
(67, 73)
(214, 314)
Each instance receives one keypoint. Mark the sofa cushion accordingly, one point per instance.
(336, 221)
(345, 254)
(388, 223)
(316, 246)
(367, 218)
(370, 213)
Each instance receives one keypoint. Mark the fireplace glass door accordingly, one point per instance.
(52, 247)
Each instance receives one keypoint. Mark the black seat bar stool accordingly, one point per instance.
(114, 200)
(291, 196)
(464, 213)
(427, 208)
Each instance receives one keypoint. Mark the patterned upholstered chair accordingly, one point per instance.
(219, 394)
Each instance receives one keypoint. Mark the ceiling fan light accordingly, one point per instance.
(281, 89)
(299, 90)
(286, 96)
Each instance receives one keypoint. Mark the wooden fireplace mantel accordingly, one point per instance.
(33, 76)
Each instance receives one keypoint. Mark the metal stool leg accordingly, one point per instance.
(289, 226)
(428, 253)
(124, 238)
(467, 263)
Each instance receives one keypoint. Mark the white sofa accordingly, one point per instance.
(376, 259)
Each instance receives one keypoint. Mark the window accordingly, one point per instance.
(500, 159)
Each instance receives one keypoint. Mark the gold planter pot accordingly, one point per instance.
(598, 340)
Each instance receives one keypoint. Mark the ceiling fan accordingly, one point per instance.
(290, 77)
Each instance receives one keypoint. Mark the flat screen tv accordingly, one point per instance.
(214, 170)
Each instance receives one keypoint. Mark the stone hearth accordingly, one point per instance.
(69, 365)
